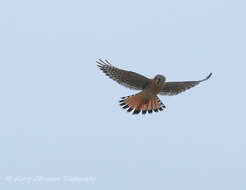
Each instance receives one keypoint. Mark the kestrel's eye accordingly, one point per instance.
(158, 80)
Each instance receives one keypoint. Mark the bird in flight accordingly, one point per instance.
(145, 101)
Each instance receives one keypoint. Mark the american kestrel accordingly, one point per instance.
(146, 100)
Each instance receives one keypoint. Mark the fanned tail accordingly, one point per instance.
(137, 103)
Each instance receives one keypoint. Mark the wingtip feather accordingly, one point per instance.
(210, 74)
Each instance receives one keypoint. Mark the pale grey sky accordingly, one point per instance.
(60, 114)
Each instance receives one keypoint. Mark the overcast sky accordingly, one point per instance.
(60, 114)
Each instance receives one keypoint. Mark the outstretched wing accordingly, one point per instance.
(174, 88)
(128, 79)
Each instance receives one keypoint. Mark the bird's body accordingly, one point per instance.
(146, 100)
(152, 89)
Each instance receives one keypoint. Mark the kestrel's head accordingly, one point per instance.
(159, 80)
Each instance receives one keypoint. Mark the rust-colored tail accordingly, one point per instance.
(138, 103)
